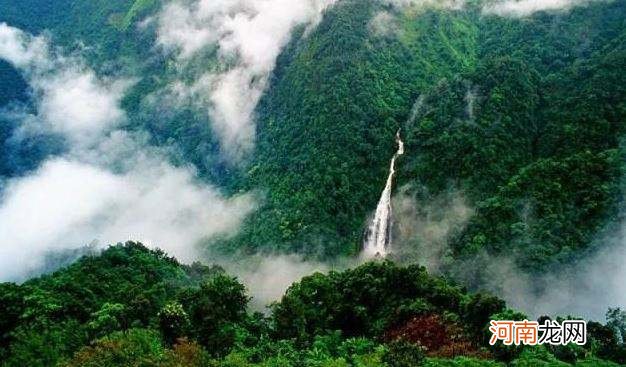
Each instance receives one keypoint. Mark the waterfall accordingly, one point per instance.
(378, 235)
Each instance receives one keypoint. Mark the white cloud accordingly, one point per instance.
(249, 35)
(442, 4)
(423, 228)
(585, 288)
(67, 204)
(386, 23)
(21, 49)
(182, 28)
(522, 8)
(72, 100)
(383, 23)
(255, 30)
(80, 106)
(267, 277)
(110, 186)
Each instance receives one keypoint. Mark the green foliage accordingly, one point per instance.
(214, 309)
(115, 46)
(108, 319)
(616, 320)
(135, 347)
(478, 310)
(502, 352)
(11, 304)
(538, 356)
(403, 354)
(361, 302)
(50, 317)
(42, 346)
(138, 7)
(523, 116)
(327, 122)
(198, 317)
(173, 322)
(461, 362)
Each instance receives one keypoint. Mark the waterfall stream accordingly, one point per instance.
(378, 235)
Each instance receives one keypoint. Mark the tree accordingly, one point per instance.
(616, 320)
(214, 309)
(110, 318)
(173, 322)
(12, 306)
(401, 353)
(133, 348)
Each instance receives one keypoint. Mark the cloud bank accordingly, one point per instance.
(587, 288)
(442, 4)
(71, 100)
(522, 8)
(423, 228)
(67, 204)
(109, 186)
(249, 35)
(267, 277)
(583, 288)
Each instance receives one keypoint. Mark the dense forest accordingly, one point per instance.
(543, 130)
(513, 125)
(524, 116)
(130, 306)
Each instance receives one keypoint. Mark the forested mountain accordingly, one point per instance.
(105, 33)
(229, 130)
(500, 102)
(523, 115)
(131, 306)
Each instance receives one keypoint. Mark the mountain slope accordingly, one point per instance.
(539, 154)
(523, 116)
(327, 122)
(131, 306)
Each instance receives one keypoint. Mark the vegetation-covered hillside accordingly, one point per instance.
(328, 121)
(523, 116)
(538, 150)
(107, 34)
(130, 306)
(517, 120)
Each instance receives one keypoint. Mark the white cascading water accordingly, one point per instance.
(378, 235)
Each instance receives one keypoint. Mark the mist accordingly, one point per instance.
(522, 8)
(248, 35)
(71, 100)
(384, 24)
(267, 276)
(423, 4)
(109, 186)
(424, 226)
(586, 288)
